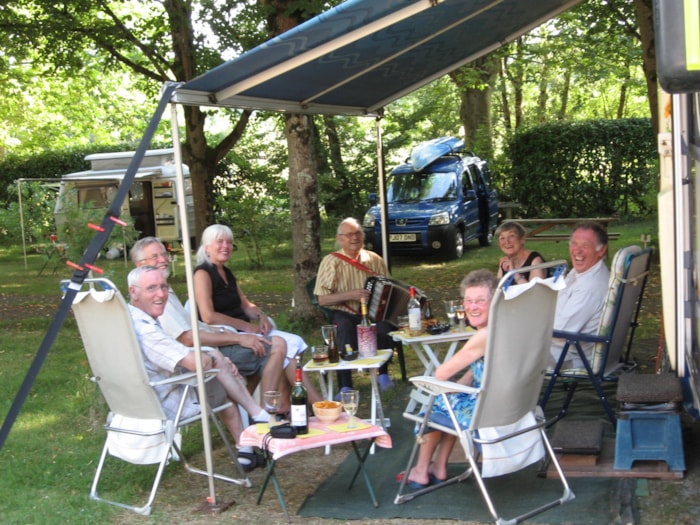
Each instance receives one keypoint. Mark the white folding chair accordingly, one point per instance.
(138, 430)
(507, 430)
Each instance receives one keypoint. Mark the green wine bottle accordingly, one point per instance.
(299, 398)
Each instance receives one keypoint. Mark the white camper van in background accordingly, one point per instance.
(152, 203)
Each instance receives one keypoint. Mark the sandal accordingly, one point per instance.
(413, 485)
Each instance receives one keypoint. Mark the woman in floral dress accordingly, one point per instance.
(477, 288)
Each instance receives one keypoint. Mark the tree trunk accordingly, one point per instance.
(645, 21)
(303, 190)
(565, 95)
(341, 204)
(475, 85)
(505, 105)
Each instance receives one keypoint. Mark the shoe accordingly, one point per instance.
(344, 389)
(385, 382)
(247, 461)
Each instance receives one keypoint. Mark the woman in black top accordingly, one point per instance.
(511, 239)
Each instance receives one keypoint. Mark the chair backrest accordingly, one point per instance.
(327, 312)
(113, 351)
(628, 274)
(521, 319)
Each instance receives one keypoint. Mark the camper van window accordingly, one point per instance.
(97, 197)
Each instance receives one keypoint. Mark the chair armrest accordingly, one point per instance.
(189, 378)
(435, 386)
(577, 336)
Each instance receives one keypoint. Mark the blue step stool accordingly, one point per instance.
(648, 421)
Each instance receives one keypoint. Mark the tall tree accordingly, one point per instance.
(475, 85)
(302, 147)
(155, 40)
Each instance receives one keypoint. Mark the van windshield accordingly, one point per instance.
(414, 187)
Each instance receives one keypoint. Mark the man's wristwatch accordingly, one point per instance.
(222, 330)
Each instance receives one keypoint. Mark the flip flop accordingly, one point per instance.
(413, 485)
(434, 480)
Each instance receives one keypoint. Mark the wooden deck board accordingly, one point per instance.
(576, 467)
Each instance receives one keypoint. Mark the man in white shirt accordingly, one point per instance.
(164, 357)
(580, 304)
(257, 358)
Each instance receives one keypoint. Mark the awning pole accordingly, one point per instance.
(382, 190)
(187, 252)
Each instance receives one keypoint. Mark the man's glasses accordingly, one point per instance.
(352, 234)
(153, 259)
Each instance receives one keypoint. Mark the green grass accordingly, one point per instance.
(48, 461)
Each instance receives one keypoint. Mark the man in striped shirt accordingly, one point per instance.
(340, 286)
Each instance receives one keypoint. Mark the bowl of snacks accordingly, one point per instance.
(327, 411)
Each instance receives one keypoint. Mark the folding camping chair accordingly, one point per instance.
(507, 428)
(138, 431)
(613, 340)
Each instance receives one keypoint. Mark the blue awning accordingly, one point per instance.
(363, 54)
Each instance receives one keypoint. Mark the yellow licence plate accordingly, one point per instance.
(402, 237)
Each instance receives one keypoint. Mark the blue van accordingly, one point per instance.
(436, 201)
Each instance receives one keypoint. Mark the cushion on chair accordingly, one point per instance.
(607, 317)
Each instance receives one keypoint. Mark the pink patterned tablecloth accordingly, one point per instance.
(320, 435)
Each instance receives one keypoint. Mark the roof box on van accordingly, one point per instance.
(427, 152)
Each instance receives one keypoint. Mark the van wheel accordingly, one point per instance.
(455, 248)
(487, 238)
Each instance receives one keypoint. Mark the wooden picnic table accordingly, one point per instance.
(540, 229)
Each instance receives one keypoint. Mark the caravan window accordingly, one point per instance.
(96, 196)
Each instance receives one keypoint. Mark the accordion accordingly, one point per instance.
(389, 299)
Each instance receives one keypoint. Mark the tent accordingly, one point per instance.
(351, 60)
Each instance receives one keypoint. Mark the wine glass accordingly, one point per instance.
(326, 330)
(271, 402)
(461, 319)
(350, 399)
(450, 307)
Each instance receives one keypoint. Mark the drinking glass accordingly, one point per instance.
(460, 318)
(326, 330)
(350, 399)
(271, 401)
(450, 310)
(319, 354)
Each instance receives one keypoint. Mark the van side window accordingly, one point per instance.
(467, 181)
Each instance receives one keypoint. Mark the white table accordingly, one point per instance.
(327, 379)
(429, 348)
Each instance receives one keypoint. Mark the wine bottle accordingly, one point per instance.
(333, 352)
(364, 321)
(415, 323)
(428, 311)
(366, 333)
(299, 398)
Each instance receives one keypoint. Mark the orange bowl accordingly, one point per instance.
(327, 411)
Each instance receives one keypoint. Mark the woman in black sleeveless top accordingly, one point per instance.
(511, 239)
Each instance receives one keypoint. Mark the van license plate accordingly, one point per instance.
(402, 237)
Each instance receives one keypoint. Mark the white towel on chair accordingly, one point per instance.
(512, 454)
